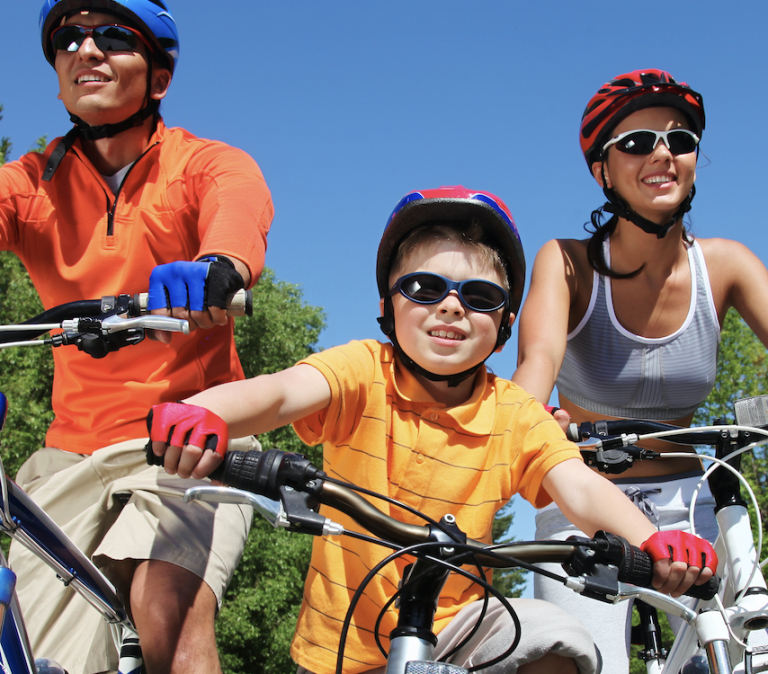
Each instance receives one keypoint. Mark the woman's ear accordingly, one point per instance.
(381, 307)
(597, 172)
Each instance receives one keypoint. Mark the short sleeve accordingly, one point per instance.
(350, 371)
(541, 446)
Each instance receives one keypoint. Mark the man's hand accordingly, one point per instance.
(185, 434)
(680, 560)
(193, 291)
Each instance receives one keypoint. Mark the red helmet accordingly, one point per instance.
(628, 93)
(456, 204)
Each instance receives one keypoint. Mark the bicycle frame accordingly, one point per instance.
(26, 523)
(719, 626)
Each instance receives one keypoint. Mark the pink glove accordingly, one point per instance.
(680, 546)
(178, 424)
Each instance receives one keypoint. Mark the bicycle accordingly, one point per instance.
(96, 327)
(287, 489)
(721, 625)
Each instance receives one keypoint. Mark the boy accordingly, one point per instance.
(422, 421)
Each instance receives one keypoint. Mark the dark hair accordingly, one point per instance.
(601, 231)
(470, 234)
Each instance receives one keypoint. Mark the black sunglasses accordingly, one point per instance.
(70, 37)
(426, 288)
(644, 141)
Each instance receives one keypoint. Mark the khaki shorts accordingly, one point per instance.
(544, 628)
(116, 507)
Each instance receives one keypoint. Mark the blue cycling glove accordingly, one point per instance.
(195, 286)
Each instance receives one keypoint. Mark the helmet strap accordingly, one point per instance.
(387, 324)
(87, 132)
(617, 206)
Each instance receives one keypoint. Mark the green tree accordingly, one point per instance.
(510, 582)
(742, 372)
(5, 144)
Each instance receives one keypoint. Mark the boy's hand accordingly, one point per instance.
(679, 561)
(182, 433)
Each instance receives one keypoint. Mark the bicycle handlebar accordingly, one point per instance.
(293, 480)
(617, 427)
(99, 327)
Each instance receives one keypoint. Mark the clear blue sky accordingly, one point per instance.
(348, 105)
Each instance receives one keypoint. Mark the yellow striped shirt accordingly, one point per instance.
(384, 432)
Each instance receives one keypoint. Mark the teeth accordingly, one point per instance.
(91, 78)
(658, 179)
(445, 334)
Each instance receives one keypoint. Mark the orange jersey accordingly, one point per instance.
(183, 198)
(383, 431)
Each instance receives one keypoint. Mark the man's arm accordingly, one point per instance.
(226, 188)
(248, 407)
(593, 503)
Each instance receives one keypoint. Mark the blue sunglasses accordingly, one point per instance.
(427, 288)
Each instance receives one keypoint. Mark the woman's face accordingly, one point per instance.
(653, 185)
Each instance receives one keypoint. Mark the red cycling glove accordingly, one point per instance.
(680, 546)
(178, 424)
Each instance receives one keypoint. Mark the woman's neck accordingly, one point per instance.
(632, 248)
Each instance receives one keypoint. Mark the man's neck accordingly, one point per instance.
(109, 155)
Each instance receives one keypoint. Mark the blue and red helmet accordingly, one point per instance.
(151, 17)
(627, 93)
(455, 204)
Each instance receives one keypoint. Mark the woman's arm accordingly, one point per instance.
(544, 321)
(740, 280)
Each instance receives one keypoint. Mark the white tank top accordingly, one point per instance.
(611, 371)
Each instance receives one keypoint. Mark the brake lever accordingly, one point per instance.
(114, 323)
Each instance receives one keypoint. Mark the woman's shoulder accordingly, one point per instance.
(723, 253)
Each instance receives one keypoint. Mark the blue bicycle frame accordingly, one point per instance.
(30, 526)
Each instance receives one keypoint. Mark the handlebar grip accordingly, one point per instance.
(637, 568)
(239, 304)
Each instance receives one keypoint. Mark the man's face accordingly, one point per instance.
(103, 87)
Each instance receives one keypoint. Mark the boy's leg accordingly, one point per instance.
(546, 631)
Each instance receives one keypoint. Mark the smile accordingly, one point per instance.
(446, 334)
(655, 180)
(91, 78)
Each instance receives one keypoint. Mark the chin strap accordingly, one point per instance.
(88, 132)
(387, 325)
(616, 206)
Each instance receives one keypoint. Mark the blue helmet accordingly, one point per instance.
(151, 17)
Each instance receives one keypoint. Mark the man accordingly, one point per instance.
(122, 203)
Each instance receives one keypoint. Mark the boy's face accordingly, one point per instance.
(445, 338)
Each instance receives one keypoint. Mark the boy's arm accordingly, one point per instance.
(593, 503)
(248, 407)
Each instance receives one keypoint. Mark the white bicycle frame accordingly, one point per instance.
(720, 627)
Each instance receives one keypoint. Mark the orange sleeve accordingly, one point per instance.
(234, 203)
(541, 446)
(349, 371)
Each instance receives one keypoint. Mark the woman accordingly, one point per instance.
(627, 323)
